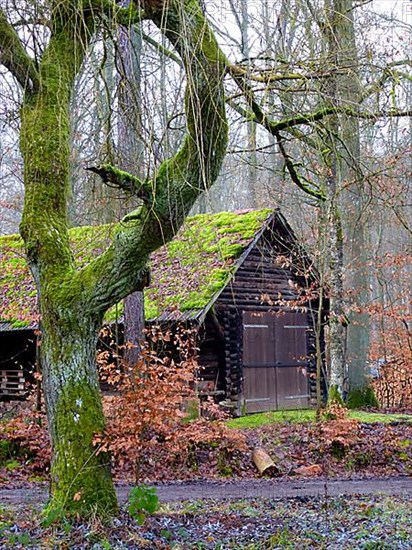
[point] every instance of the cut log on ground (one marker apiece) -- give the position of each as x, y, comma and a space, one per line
263, 462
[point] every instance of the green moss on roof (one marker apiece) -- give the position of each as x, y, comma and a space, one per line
18, 298
17, 291
185, 274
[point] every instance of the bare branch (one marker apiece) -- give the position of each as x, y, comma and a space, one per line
307, 118
334, 110
269, 75
162, 49
402, 220
261, 118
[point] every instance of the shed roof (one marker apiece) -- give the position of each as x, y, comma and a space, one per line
187, 274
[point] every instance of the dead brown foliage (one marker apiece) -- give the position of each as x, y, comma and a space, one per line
154, 422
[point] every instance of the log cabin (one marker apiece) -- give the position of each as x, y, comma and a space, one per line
241, 279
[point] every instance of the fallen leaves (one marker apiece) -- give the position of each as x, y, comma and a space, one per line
311, 470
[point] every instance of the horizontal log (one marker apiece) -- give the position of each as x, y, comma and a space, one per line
209, 356
260, 283
252, 290
259, 264
231, 295
243, 304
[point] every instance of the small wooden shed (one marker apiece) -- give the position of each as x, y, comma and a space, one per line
246, 284
250, 287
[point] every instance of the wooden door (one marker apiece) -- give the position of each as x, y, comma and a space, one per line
291, 361
274, 361
259, 375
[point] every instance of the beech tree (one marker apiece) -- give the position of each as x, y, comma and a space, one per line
73, 301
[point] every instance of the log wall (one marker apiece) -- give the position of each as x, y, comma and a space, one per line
260, 284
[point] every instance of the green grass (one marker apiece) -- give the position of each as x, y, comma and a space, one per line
263, 419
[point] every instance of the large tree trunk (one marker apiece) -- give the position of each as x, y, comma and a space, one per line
130, 152
342, 49
336, 317
251, 172
134, 324
73, 301
80, 477
357, 277
80, 474
330, 156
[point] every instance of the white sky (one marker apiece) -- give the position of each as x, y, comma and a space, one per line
401, 8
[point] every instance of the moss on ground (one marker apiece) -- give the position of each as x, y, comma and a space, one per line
263, 419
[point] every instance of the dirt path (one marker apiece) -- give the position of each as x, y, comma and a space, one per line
178, 491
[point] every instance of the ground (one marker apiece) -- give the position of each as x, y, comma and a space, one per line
305, 514
344, 483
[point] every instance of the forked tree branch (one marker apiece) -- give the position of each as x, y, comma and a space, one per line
261, 118
180, 179
115, 13
315, 116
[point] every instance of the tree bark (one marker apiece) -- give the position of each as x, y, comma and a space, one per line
330, 155
134, 324
80, 474
73, 301
130, 153
345, 91
336, 316
357, 279
80, 477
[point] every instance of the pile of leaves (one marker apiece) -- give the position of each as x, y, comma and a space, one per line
158, 429
156, 426
200, 448
24, 445
336, 447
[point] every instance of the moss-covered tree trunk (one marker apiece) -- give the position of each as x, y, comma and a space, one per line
80, 475
73, 301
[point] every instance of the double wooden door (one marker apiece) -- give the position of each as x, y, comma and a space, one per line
275, 363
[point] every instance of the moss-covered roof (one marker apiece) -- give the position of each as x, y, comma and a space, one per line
185, 274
